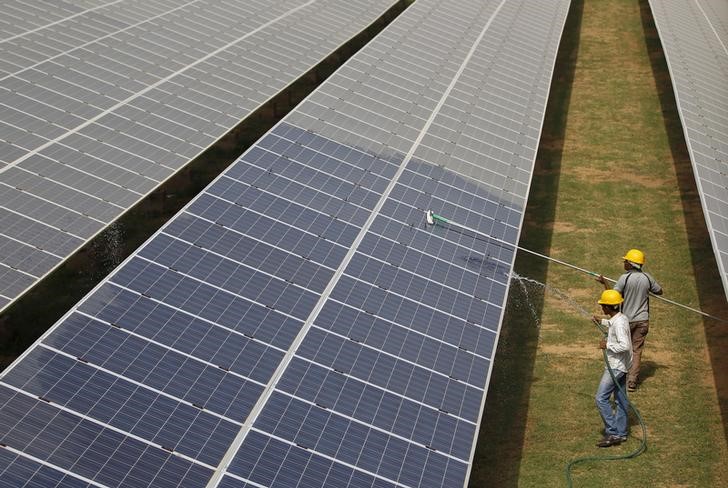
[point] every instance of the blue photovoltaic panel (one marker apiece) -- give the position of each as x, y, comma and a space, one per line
694, 36
103, 102
298, 324
25, 472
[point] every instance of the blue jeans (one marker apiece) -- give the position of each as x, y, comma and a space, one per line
615, 420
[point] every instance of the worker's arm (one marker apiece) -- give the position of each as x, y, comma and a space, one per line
603, 281
655, 287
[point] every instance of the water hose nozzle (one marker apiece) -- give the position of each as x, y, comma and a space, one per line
432, 218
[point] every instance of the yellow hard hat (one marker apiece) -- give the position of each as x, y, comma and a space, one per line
610, 297
635, 256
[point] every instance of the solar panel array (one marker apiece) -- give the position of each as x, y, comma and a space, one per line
694, 36
102, 102
298, 324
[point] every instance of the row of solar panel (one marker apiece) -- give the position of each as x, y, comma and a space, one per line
101, 108
694, 36
436, 470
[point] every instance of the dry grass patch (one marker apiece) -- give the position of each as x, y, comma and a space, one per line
585, 293
597, 175
566, 227
571, 351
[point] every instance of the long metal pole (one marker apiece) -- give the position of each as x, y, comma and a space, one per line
433, 218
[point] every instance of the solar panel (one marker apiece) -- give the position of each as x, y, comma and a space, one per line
694, 37
298, 324
102, 102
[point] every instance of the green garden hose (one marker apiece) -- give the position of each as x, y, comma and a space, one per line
640, 449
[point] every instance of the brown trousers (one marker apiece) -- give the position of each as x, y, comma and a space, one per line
639, 332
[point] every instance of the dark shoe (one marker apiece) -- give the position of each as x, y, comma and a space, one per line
611, 440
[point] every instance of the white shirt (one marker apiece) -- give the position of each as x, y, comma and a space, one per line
619, 342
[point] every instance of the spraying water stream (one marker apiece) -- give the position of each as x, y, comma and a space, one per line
525, 282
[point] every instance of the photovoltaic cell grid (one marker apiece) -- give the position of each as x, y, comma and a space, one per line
694, 36
297, 324
102, 102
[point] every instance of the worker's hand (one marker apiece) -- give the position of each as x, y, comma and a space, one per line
601, 279
603, 344
596, 320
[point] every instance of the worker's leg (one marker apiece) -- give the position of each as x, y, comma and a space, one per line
639, 332
620, 414
602, 398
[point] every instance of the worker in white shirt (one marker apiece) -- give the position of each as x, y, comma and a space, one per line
618, 347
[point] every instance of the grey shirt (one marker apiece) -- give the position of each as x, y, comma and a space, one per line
635, 286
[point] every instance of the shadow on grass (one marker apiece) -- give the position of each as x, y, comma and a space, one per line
648, 370
501, 437
709, 287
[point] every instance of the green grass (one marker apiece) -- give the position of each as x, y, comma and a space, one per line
612, 174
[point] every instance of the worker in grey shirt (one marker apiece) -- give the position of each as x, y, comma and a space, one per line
635, 285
